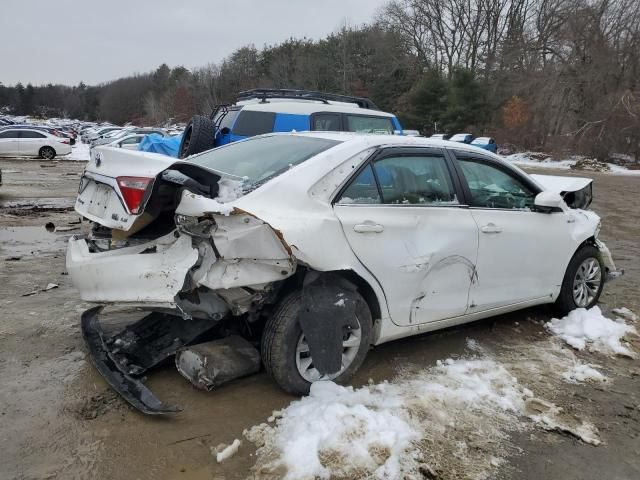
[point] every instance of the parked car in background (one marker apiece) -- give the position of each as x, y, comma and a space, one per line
440, 136
118, 134
462, 138
261, 111
128, 142
23, 142
51, 130
99, 132
488, 143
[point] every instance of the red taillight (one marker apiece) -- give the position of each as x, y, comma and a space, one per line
133, 190
64, 141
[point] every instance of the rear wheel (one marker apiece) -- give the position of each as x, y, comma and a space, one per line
199, 136
583, 281
47, 153
285, 352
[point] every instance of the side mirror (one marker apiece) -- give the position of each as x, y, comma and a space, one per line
548, 202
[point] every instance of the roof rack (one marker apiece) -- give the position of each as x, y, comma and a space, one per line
265, 93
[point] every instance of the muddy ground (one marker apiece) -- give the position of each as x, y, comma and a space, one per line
58, 418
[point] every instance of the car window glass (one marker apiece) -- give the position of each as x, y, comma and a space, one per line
131, 141
228, 119
363, 189
250, 123
493, 188
30, 134
260, 159
364, 124
418, 180
326, 122
9, 134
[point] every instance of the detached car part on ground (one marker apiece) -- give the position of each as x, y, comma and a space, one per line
304, 250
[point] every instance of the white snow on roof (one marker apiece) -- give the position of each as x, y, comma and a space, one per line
589, 328
309, 107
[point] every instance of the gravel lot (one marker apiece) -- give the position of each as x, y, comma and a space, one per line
58, 418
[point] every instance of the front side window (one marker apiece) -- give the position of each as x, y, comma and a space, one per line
259, 159
10, 134
491, 187
250, 124
416, 180
366, 124
131, 141
327, 122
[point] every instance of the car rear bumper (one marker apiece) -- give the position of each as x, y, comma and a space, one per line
151, 273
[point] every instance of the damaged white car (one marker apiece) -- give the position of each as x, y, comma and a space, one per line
301, 251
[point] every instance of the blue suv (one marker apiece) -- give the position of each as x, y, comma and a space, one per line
262, 111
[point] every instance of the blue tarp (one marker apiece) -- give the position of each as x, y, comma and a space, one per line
156, 143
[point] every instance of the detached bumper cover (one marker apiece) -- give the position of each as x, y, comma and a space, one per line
131, 389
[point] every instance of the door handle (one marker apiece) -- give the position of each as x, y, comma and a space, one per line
491, 228
368, 227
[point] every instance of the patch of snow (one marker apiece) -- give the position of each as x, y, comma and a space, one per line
223, 454
625, 313
536, 159
228, 191
582, 328
340, 303
79, 152
391, 430
583, 372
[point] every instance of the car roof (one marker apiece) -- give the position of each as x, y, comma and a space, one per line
482, 139
307, 107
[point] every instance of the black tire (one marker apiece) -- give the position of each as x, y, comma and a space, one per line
565, 301
199, 136
47, 153
280, 338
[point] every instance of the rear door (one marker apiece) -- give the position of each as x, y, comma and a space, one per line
522, 253
9, 144
403, 219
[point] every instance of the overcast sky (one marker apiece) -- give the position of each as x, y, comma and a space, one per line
66, 41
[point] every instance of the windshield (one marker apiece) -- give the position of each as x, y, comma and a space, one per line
259, 159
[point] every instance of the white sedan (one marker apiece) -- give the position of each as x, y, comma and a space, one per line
317, 246
24, 142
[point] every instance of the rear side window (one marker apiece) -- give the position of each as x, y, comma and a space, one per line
363, 189
365, 124
9, 134
250, 123
327, 122
31, 134
415, 180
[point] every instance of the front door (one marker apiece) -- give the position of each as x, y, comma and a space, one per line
522, 253
9, 144
403, 220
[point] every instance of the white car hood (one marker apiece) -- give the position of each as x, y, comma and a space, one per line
558, 184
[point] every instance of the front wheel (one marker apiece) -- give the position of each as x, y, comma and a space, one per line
47, 153
285, 352
583, 281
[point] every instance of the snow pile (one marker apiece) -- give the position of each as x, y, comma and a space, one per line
541, 160
452, 416
223, 452
583, 372
625, 313
79, 152
582, 328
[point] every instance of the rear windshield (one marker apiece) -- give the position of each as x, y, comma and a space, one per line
365, 124
260, 159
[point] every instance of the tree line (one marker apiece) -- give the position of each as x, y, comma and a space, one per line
539, 74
